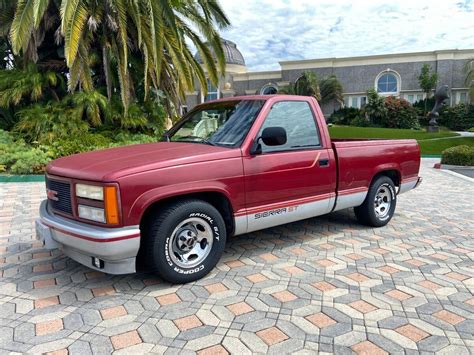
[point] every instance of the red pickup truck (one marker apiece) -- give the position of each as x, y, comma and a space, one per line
229, 167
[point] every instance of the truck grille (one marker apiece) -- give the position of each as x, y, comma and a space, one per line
62, 193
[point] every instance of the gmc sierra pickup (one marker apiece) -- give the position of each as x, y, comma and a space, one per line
228, 167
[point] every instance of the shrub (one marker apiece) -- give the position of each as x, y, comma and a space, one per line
33, 161
360, 122
345, 115
5, 137
125, 138
79, 144
458, 118
471, 129
400, 114
19, 158
460, 155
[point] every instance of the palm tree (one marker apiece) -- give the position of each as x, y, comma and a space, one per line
324, 90
121, 29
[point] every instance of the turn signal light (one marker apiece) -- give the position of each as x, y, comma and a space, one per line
111, 205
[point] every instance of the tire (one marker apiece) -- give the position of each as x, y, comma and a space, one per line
379, 205
184, 242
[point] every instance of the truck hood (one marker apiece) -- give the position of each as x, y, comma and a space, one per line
110, 164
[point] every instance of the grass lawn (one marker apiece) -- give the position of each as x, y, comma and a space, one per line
437, 146
427, 145
388, 133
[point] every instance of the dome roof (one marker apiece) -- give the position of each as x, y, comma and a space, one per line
231, 53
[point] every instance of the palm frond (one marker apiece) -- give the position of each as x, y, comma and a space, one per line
22, 25
74, 16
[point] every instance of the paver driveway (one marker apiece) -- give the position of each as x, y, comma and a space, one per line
324, 284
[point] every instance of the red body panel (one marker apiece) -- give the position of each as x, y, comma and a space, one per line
148, 173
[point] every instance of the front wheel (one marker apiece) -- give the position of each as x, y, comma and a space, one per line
379, 205
185, 241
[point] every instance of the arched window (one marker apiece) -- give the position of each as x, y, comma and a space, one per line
387, 83
268, 89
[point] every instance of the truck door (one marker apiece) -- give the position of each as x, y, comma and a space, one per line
292, 181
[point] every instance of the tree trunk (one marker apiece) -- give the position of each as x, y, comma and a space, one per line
106, 63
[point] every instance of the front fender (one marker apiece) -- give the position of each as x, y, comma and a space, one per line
152, 196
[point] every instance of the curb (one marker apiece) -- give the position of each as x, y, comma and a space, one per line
21, 178
460, 176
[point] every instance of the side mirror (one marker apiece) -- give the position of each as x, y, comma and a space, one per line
271, 136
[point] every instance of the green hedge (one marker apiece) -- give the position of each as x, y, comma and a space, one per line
457, 118
460, 155
18, 157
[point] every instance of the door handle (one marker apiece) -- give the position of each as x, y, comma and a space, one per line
323, 162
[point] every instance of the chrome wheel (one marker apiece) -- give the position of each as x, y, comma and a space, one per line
383, 201
191, 242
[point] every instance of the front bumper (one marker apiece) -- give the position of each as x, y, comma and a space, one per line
117, 248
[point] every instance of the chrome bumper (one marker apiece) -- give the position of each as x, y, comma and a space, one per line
116, 248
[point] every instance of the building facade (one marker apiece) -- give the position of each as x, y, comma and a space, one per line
391, 75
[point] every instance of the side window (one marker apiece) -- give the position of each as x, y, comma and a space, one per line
297, 119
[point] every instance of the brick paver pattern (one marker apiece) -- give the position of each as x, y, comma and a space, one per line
325, 284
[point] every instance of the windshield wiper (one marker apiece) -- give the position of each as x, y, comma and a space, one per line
196, 139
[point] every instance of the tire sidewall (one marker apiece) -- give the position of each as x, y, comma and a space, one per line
373, 191
177, 273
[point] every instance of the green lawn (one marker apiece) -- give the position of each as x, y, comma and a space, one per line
437, 146
388, 133
428, 146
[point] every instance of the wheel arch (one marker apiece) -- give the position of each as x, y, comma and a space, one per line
392, 173
215, 198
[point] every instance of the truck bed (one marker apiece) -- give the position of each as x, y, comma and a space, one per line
361, 159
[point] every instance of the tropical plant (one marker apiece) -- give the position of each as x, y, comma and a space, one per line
469, 81
46, 123
28, 84
102, 37
400, 114
324, 90
345, 115
375, 109
427, 81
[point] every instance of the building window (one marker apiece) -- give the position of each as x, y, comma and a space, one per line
412, 98
461, 97
212, 91
355, 101
387, 83
268, 89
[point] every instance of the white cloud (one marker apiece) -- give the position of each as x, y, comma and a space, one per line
268, 31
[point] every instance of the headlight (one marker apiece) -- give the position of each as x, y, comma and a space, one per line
90, 191
91, 213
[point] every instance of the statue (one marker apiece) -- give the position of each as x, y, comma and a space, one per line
440, 96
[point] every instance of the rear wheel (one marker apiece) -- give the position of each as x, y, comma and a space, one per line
184, 242
379, 205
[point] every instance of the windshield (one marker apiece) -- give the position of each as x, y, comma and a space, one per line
223, 123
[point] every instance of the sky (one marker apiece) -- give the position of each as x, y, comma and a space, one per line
269, 31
